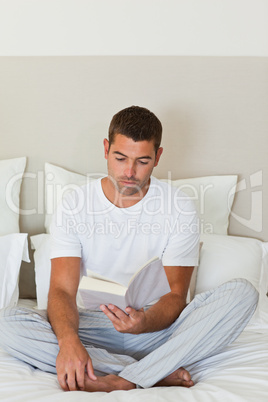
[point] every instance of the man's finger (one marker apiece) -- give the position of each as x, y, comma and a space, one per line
80, 376
132, 312
71, 381
117, 312
108, 313
90, 370
113, 313
62, 382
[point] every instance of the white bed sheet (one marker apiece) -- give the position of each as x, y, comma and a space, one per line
239, 373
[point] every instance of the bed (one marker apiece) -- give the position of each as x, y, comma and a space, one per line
239, 373
233, 244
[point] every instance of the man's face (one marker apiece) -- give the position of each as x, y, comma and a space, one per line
130, 164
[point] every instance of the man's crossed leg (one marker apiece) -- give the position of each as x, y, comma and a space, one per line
210, 322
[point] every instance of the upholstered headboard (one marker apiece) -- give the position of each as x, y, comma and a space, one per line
213, 110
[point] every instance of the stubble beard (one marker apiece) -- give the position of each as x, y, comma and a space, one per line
126, 191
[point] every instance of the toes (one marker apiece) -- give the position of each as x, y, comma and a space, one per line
187, 384
184, 374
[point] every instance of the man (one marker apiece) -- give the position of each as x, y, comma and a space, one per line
134, 217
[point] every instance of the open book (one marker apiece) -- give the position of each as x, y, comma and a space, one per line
146, 285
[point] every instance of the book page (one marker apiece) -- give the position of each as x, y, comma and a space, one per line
148, 285
88, 283
92, 300
141, 268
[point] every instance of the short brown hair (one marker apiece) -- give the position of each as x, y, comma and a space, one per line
137, 123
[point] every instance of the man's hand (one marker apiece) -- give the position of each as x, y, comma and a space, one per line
132, 321
161, 314
71, 364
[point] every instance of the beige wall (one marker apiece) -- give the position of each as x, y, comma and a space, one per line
120, 27
213, 110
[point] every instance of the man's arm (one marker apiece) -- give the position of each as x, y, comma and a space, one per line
162, 314
73, 358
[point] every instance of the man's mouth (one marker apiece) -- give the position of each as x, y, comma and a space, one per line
129, 183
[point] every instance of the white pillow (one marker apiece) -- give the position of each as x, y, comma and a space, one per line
224, 258
11, 172
57, 182
13, 250
213, 197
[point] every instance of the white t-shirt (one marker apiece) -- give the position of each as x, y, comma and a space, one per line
115, 242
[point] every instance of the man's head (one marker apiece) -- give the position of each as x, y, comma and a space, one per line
132, 152
137, 123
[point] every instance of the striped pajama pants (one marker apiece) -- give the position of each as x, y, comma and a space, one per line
210, 322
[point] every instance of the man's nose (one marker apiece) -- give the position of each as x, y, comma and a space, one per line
130, 170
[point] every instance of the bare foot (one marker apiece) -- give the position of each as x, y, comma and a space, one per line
179, 378
108, 383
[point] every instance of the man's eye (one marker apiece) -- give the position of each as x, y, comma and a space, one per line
144, 162
120, 159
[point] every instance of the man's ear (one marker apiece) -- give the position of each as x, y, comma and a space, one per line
158, 154
106, 147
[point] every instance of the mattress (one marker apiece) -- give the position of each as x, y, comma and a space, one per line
238, 373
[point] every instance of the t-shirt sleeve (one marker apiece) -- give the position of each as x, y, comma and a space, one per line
182, 248
64, 242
